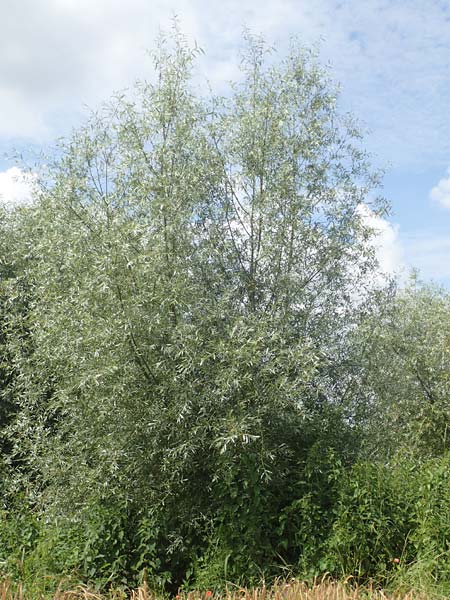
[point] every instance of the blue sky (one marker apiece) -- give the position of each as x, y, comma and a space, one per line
392, 59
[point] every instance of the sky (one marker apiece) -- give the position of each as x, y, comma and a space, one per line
391, 58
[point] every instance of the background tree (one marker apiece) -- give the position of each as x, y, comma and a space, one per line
406, 370
14, 298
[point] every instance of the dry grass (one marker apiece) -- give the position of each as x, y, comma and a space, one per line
294, 590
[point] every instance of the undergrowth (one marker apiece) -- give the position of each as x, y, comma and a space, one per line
292, 590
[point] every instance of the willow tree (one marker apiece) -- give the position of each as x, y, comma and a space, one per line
194, 262
404, 362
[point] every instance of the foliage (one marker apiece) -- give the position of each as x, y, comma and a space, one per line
195, 351
405, 364
375, 515
432, 535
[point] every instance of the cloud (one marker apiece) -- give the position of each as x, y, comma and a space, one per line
440, 193
385, 242
15, 187
399, 253
392, 57
60, 55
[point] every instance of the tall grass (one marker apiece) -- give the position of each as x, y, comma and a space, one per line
294, 590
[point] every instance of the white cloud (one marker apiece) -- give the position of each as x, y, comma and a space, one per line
441, 192
15, 187
392, 58
399, 253
60, 55
386, 243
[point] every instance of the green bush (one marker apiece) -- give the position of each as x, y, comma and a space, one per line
19, 531
431, 535
305, 523
374, 520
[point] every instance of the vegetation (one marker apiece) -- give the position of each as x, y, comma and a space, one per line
203, 376
292, 590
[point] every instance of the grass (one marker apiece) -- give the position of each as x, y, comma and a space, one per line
293, 590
